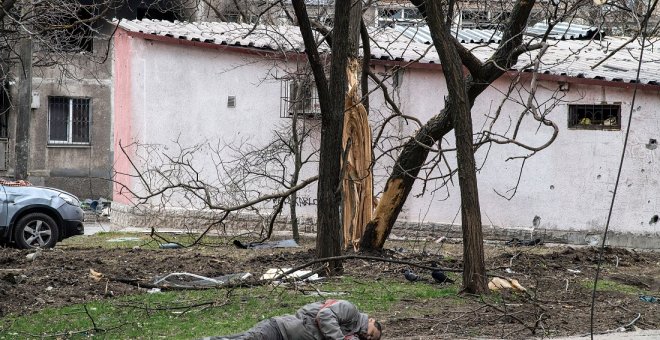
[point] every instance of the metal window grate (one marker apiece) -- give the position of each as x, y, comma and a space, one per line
69, 120
595, 117
300, 97
231, 101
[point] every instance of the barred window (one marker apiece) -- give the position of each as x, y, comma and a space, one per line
595, 117
68, 120
299, 97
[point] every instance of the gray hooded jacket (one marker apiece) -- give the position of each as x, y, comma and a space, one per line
330, 319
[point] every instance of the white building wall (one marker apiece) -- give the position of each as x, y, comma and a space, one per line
180, 93
568, 185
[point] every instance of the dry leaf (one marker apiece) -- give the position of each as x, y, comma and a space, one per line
96, 276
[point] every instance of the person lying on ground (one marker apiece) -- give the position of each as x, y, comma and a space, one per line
330, 319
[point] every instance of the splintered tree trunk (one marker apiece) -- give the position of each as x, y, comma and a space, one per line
400, 183
357, 182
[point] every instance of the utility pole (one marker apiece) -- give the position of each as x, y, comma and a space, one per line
22, 148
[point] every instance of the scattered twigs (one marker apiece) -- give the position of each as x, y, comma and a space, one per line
96, 328
363, 257
185, 308
512, 316
460, 316
623, 328
148, 285
154, 235
68, 334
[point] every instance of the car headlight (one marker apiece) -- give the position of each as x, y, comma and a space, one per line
70, 199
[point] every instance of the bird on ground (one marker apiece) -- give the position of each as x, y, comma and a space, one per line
410, 276
240, 245
440, 277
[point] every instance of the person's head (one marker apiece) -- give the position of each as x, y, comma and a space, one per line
374, 330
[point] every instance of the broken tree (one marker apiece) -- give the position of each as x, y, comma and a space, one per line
463, 90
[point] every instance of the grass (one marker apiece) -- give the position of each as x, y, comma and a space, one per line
110, 240
613, 286
220, 311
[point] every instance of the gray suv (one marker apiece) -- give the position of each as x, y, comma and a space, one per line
38, 217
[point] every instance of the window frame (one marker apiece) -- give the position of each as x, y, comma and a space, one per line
69, 125
573, 123
308, 106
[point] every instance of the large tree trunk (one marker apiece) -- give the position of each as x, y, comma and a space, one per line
328, 239
22, 148
474, 269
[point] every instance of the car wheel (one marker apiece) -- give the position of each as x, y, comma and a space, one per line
36, 230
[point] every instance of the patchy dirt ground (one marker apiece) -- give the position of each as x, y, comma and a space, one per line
557, 279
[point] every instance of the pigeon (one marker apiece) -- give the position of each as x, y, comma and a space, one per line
410, 276
440, 277
240, 245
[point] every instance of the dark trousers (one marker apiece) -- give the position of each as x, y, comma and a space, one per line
264, 330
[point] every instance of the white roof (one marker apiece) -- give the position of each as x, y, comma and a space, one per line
573, 58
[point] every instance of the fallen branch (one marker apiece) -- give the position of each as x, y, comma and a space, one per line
148, 285
186, 308
363, 257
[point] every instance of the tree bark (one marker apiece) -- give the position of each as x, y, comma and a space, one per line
22, 148
328, 239
297, 165
7, 5
474, 269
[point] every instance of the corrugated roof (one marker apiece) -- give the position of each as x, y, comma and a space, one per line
573, 58
278, 38
564, 30
422, 35
561, 31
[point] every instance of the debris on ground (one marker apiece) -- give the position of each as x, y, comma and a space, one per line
514, 242
306, 275
33, 256
170, 246
499, 283
649, 298
265, 245
99, 206
192, 281
564, 311
124, 239
96, 276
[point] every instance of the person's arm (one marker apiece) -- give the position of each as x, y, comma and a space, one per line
331, 317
